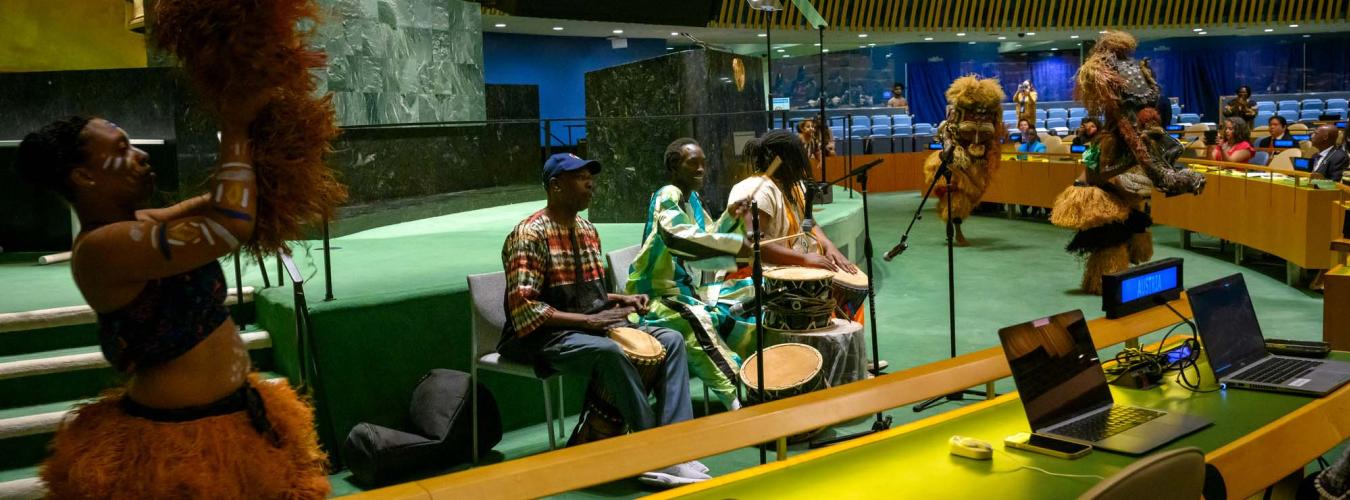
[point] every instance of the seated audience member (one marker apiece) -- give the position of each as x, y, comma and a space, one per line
1233, 143
1241, 106
558, 310
1087, 131
1031, 139
1279, 130
1330, 161
679, 243
897, 99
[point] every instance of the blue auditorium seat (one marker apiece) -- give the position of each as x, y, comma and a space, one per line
1337, 103
902, 143
1010, 124
1176, 109
1040, 124
881, 120
857, 144
881, 130
1040, 114
1263, 117
904, 130
836, 131
1339, 112
1290, 105
839, 144
1189, 118
1075, 122
1056, 123
860, 120
1289, 115
1265, 106
1313, 104
1077, 113
860, 131
1309, 115
1260, 158
880, 143
923, 129
1060, 113
1009, 115
902, 120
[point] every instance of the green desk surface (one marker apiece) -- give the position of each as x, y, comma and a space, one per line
914, 460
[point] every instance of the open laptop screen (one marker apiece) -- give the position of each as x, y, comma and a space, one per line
1055, 367
1228, 329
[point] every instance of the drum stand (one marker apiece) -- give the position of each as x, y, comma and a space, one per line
944, 172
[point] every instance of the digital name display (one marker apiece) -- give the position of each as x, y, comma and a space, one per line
1301, 137
1175, 127
1016, 136
1340, 124
1175, 136
1077, 148
1148, 284
1284, 143
1302, 164
1141, 287
935, 146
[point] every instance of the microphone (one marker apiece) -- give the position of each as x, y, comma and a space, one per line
899, 249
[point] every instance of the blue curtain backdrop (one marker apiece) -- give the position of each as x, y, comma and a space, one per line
1197, 70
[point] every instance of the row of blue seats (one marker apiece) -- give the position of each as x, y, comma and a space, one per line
1296, 105
1046, 114
881, 144
1307, 115
865, 131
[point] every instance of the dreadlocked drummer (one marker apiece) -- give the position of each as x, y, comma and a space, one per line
192, 421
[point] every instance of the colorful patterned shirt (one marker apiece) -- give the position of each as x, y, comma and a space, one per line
677, 243
550, 267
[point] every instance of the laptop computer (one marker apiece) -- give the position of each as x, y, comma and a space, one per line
1232, 340
1064, 391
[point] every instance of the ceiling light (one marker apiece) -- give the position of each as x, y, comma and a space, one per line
871, 45
1203, 33
825, 50
1031, 33
1102, 32
1293, 26
1268, 30
971, 43
557, 28
928, 39
861, 46
1003, 38
960, 34
1307, 36
674, 33
782, 50
762, 35
500, 25
1074, 37
617, 32
785, 55
1197, 30
862, 35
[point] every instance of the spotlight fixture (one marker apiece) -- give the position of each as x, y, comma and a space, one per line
862, 35
1203, 33
1268, 30
557, 28
1307, 36
1293, 26
670, 48
1102, 32
961, 34
781, 50
499, 25
815, 45
861, 46
825, 50
617, 32
928, 39
1073, 37
785, 55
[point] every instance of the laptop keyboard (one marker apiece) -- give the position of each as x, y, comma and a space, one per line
1108, 423
1278, 371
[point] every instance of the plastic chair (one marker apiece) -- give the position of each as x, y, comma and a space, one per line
1260, 158
862, 121
1082, 112
1265, 106
836, 131
1169, 475
1060, 113
1263, 116
1313, 104
1290, 105
1289, 115
1338, 103
902, 120
860, 131
1284, 160
1056, 123
1040, 124
1189, 118
1075, 122
1339, 113
1309, 115
489, 315
881, 130
1041, 114
881, 120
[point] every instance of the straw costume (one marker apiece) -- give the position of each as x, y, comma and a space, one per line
971, 133
1129, 158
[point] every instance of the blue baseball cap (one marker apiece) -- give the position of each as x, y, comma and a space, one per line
567, 162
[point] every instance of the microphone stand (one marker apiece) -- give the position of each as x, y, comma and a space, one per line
757, 269
944, 172
882, 422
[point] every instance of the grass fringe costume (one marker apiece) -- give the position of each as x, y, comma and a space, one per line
972, 129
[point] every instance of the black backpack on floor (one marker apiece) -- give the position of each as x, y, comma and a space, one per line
440, 433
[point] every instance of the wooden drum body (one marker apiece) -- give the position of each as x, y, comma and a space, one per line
850, 293
789, 370
798, 298
600, 419
842, 347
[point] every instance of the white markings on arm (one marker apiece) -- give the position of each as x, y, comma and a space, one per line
223, 233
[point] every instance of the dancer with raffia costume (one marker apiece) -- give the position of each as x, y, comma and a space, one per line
971, 132
1125, 162
192, 420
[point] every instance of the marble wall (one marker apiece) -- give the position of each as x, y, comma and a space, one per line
403, 61
627, 107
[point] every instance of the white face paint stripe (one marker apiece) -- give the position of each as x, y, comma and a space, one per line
154, 236
206, 234
107, 162
243, 202
220, 191
237, 164
117, 163
224, 234
235, 175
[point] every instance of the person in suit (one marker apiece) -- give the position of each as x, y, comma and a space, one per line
1279, 129
1330, 161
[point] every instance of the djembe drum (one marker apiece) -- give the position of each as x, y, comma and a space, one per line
789, 370
798, 298
841, 346
600, 419
850, 293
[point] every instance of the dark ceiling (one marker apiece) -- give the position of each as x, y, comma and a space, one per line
668, 12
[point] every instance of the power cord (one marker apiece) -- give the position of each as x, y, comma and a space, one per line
1022, 465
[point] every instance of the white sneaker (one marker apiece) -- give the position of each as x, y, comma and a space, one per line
734, 405
697, 465
675, 475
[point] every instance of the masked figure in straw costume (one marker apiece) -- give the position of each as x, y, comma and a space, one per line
1126, 161
970, 134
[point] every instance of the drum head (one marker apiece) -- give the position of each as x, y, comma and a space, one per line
855, 280
637, 343
798, 274
785, 366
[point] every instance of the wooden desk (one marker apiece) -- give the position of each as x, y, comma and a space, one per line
1296, 223
1035, 181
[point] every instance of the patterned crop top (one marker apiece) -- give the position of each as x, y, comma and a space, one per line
169, 317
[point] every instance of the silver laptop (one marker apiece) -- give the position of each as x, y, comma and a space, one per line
1237, 351
1064, 391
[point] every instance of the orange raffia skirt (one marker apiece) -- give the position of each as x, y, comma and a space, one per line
103, 452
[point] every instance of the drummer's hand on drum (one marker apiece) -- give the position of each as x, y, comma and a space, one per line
840, 261
609, 318
637, 302
739, 208
820, 261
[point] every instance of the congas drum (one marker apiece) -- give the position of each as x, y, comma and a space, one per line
789, 370
842, 347
850, 293
798, 298
600, 419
